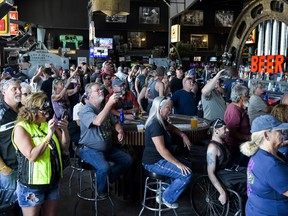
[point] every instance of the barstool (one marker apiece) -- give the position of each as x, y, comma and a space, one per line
92, 188
155, 185
75, 164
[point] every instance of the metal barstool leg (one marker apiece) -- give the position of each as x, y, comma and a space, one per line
109, 197
70, 180
95, 194
155, 186
144, 197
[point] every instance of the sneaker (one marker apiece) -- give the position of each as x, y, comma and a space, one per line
158, 199
169, 205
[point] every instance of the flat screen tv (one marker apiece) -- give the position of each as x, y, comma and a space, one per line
197, 58
213, 59
100, 52
103, 42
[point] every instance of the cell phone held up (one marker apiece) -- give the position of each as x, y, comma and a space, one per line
64, 115
118, 95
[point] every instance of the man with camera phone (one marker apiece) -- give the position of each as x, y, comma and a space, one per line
214, 105
126, 100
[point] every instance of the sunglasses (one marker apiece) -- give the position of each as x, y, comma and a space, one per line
218, 123
107, 78
45, 112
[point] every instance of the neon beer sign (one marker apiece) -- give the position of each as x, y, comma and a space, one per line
269, 63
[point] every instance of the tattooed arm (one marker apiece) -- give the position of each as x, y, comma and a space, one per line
212, 153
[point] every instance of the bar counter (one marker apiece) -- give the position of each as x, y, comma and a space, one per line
135, 138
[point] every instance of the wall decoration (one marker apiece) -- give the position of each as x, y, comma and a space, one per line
224, 18
199, 40
137, 39
251, 38
175, 33
149, 15
116, 19
193, 18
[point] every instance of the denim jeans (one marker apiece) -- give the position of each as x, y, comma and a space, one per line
100, 161
8, 181
179, 181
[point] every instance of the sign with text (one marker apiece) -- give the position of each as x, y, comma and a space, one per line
175, 33
269, 63
4, 26
13, 27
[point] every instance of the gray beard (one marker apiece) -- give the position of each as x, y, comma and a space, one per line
99, 100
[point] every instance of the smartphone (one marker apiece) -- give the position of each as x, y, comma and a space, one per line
73, 80
64, 115
119, 94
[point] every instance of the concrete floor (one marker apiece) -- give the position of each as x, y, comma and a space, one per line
127, 207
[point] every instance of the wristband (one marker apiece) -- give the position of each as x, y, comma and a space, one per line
2, 168
46, 142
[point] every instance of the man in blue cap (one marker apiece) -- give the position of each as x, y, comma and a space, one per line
126, 100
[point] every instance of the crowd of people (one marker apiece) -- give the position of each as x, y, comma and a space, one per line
39, 119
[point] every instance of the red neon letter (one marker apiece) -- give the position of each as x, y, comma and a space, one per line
279, 60
270, 64
254, 64
262, 63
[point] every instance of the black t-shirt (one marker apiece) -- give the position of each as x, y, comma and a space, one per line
150, 154
175, 85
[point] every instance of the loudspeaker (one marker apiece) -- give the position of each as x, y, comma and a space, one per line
5, 7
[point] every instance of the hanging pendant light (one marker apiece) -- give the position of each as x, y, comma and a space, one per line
112, 7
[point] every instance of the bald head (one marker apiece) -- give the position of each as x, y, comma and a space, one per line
285, 99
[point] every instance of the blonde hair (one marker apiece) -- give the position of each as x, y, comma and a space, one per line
280, 111
249, 148
35, 102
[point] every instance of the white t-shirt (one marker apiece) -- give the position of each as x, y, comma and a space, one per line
76, 110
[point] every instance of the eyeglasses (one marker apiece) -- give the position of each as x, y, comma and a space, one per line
108, 78
98, 90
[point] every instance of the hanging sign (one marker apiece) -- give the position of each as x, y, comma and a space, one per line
269, 63
4, 26
13, 27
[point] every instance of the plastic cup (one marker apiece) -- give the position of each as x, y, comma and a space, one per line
140, 128
194, 122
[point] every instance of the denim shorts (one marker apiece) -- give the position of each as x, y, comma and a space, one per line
28, 197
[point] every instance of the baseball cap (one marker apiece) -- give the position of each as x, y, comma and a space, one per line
267, 122
117, 82
192, 72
